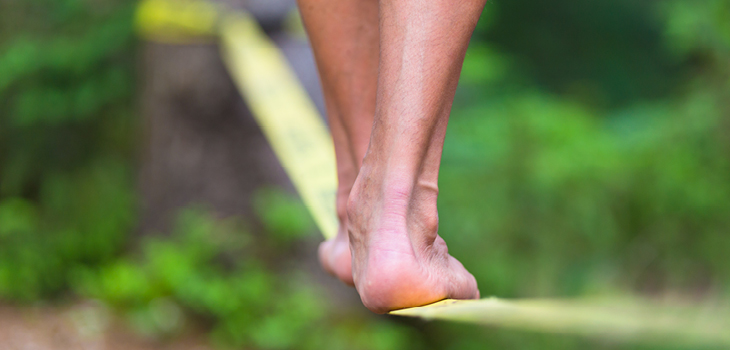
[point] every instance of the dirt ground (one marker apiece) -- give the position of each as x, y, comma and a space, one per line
84, 326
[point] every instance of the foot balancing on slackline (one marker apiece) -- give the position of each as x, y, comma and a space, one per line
389, 71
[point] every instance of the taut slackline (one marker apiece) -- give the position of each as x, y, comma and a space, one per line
301, 141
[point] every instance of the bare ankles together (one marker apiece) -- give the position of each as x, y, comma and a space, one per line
398, 259
389, 83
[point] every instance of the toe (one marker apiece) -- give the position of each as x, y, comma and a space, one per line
342, 263
463, 284
334, 256
325, 249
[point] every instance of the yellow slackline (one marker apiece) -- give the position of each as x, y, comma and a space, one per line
175, 22
302, 143
280, 105
630, 320
286, 115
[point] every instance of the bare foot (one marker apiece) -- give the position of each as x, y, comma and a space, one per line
389, 71
399, 260
334, 254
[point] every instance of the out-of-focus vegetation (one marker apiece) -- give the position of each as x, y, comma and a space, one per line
66, 121
567, 197
588, 153
216, 272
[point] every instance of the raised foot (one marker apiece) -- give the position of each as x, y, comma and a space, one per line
398, 259
335, 258
391, 279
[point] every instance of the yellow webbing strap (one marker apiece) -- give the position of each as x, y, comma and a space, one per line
175, 22
286, 115
624, 320
280, 105
302, 143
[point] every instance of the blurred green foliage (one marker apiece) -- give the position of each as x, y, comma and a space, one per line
214, 270
587, 154
66, 194
564, 198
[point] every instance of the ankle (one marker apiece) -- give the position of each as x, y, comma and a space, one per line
376, 182
341, 199
403, 201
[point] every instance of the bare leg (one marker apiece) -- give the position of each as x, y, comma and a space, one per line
398, 258
344, 36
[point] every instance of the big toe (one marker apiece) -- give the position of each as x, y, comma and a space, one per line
463, 284
324, 253
335, 258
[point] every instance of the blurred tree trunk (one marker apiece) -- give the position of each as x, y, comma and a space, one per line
202, 144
